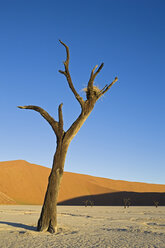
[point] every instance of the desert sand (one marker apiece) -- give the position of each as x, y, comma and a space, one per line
86, 227
25, 183
78, 226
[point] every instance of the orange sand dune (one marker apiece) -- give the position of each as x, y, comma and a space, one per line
4, 199
25, 183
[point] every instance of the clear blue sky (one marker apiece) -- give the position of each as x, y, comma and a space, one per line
124, 137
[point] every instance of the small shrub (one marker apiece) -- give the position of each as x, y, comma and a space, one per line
127, 202
156, 203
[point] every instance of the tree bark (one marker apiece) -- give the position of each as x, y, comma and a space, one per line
48, 217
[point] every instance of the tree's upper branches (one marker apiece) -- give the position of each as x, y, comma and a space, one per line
68, 77
86, 106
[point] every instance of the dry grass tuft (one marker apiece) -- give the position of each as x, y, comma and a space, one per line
96, 90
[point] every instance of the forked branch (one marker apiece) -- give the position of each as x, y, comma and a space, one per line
68, 77
46, 116
93, 75
98, 70
107, 87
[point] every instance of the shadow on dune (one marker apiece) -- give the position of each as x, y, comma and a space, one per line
19, 225
116, 199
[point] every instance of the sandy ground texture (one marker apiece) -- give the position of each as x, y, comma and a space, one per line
80, 226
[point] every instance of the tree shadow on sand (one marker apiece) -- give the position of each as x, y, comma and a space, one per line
19, 225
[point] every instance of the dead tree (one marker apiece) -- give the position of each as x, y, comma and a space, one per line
48, 217
156, 203
127, 202
91, 203
86, 203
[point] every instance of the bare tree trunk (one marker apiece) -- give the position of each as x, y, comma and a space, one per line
48, 217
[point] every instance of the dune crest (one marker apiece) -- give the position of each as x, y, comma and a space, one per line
25, 183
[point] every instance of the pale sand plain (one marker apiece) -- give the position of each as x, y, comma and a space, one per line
86, 227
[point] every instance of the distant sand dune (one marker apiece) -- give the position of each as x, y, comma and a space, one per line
25, 183
4, 199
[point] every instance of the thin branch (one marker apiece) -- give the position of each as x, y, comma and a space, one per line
62, 72
45, 115
91, 80
98, 70
60, 116
106, 88
67, 52
93, 75
103, 88
68, 77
